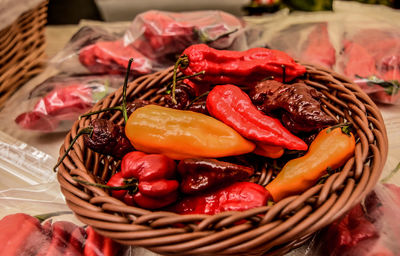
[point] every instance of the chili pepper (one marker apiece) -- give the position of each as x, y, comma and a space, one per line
330, 149
93, 244
201, 174
76, 242
348, 232
110, 247
231, 105
61, 231
297, 103
240, 68
319, 49
16, 230
36, 121
144, 180
268, 150
181, 134
183, 95
360, 62
239, 196
110, 57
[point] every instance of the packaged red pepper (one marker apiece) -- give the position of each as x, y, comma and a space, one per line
53, 105
371, 56
162, 35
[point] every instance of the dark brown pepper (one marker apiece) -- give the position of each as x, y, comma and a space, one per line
108, 138
201, 175
183, 95
138, 103
297, 104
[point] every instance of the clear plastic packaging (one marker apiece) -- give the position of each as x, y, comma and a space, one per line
161, 35
56, 103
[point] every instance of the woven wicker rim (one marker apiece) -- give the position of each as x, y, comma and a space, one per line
22, 50
270, 230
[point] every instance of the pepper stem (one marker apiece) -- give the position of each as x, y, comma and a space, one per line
121, 108
43, 217
130, 184
206, 40
283, 73
346, 128
182, 61
197, 99
124, 111
87, 130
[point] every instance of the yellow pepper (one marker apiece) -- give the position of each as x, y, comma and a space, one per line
181, 134
330, 149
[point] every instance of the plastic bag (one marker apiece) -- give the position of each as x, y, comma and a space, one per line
313, 44
53, 105
371, 56
161, 36
96, 50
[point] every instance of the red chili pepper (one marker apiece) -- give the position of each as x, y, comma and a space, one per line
239, 196
61, 231
19, 232
240, 68
76, 242
93, 244
232, 106
112, 57
200, 174
152, 179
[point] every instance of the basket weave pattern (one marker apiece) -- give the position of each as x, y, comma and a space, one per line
268, 230
22, 50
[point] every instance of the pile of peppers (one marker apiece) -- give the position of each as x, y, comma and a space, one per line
201, 159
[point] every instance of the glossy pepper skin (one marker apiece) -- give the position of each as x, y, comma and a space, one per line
202, 174
330, 149
181, 134
232, 106
98, 245
154, 176
108, 138
239, 196
240, 68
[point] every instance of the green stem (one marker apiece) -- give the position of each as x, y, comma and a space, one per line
205, 39
124, 112
101, 111
197, 98
43, 217
182, 61
185, 77
87, 130
131, 185
346, 128
391, 174
283, 73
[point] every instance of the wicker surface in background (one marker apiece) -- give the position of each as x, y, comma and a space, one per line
270, 230
22, 50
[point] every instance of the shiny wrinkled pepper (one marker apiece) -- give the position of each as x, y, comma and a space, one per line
152, 177
240, 68
232, 106
239, 196
202, 174
331, 149
181, 134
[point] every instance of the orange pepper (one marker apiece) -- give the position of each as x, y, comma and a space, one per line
330, 149
269, 151
181, 134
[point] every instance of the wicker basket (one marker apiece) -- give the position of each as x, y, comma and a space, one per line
270, 230
22, 50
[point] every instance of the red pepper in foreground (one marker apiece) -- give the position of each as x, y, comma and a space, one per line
202, 174
239, 196
232, 106
154, 177
240, 68
20, 232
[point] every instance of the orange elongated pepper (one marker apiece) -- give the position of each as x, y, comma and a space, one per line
330, 149
181, 134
